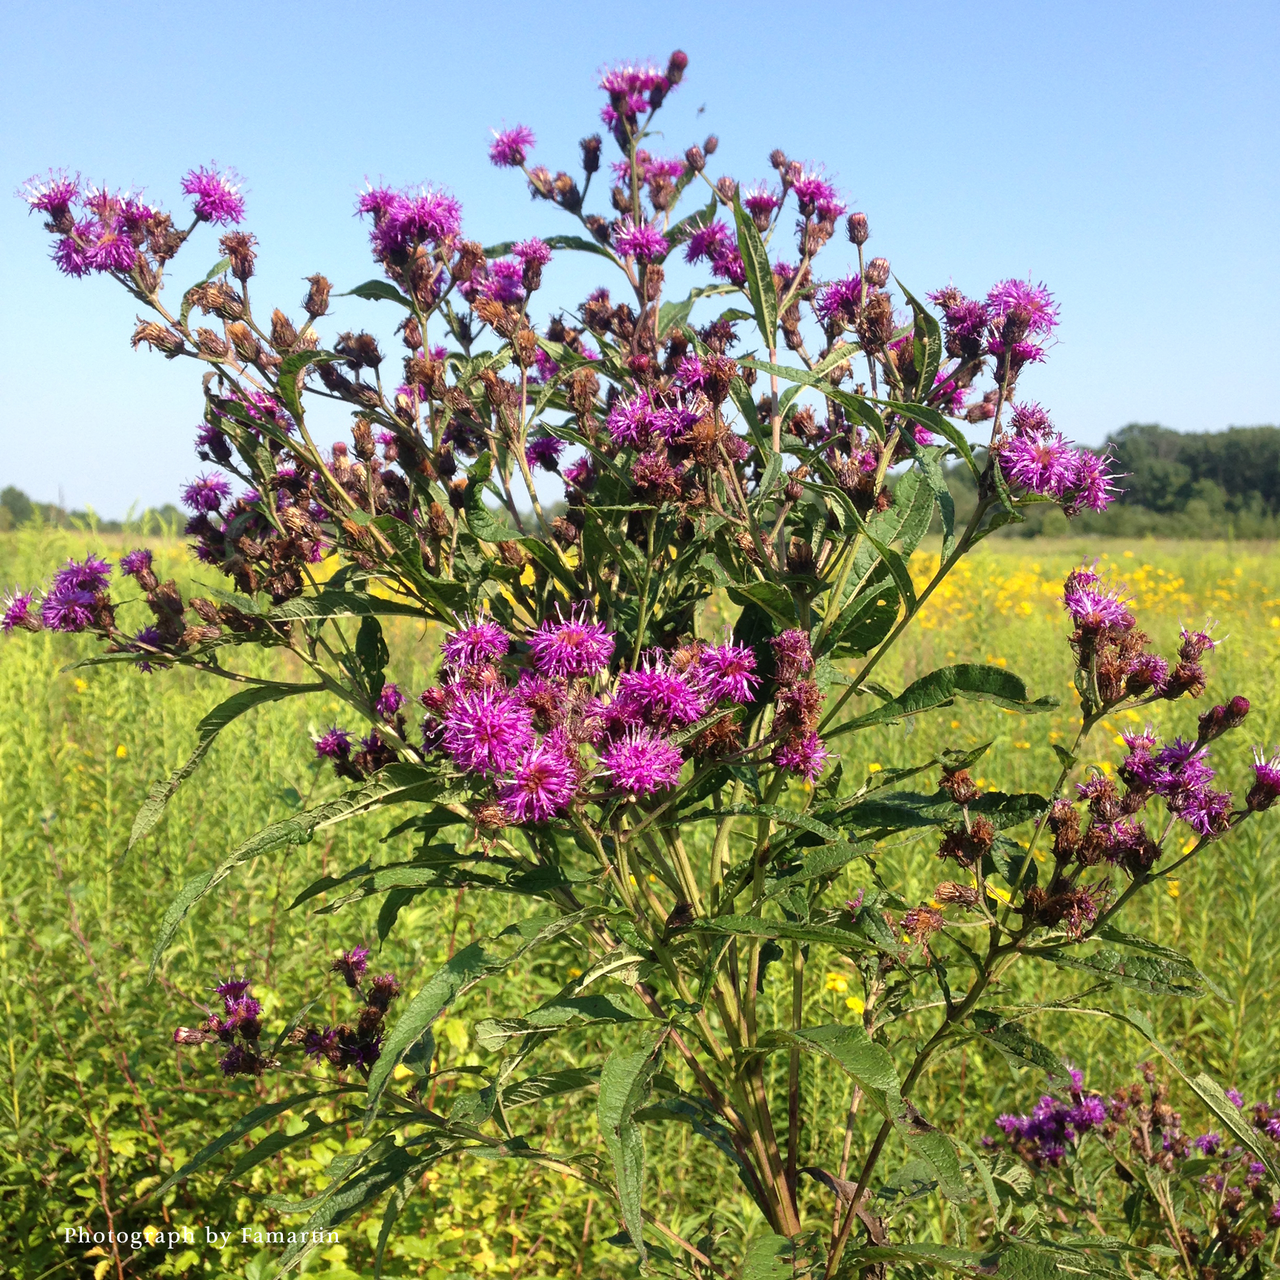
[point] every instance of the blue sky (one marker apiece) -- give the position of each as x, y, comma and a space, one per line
1125, 153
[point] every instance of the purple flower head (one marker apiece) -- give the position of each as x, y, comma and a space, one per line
760, 201
1196, 643
1093, 484
243, 1017
639, 240
334, 744
402, 219
708, 240
1266, 772
1206, 811
1035, 302
803, 754
239, 1061
965, 317
1030, 419
793, 654
320, 1044
503, 282
725, 671
390, 700
487, 731
1045, 465
571, 646
231, 989
1236, 1097
1149, 670
1140, 743
541, 785
17, 611
630, 81
1094, 604
206, 493
54, 194
838, 300
146, 640
630, 421
352, 965
509, 148
654, 694
474, 644
817, 195
545, 451
217, 195
581, 475
91, 575
111, 248
533, 250
135, 562
67, 609
69, 254
1089, 1113
642, 762
1209, 1143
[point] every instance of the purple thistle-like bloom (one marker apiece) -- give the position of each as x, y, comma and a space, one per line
804, 754
1094, 605
70, 255
817, 195
1030, 419
541, 785
725, 671
319, 1044
53, 194
639, 240
642, 762
487, 731
630, 420
581, 475
217, 195
146, 639
231, 989
135, 562
838, 299
1150, 669
1045, 465
67, 609
206, 493
91, 574
571, 646
706, 241
1034, 300
390, 700
793, 654
1206, 811
238, 1061
504, 282
1209, 1143
352, 965
474, 644
656, 695
1195, 643
545, 451
760, 201
334, 744
1093, 484
509, 148
111, 248
533, 250
17, 611
1235, 1097
1266, 772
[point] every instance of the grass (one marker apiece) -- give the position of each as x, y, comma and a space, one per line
97, 1107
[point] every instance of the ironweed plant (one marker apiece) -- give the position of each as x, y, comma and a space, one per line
667, 798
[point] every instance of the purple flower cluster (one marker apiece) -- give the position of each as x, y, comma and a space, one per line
796, 706
403, 220
1038, 460
719, 246
510, 148
1042, 1138
640, 240
215, 195
238, 1026
76, 596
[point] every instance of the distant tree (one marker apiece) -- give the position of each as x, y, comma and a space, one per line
19, 507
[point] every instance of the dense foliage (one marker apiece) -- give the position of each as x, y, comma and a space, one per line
665, 795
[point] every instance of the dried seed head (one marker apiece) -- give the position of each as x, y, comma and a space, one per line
316, 303
859, 229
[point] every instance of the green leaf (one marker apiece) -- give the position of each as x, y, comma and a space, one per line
1018, 1048
207, 730
343, 604
625, 1083
866, 620
581, 245
761, 288
468, 967
281, 1140
758, 927
188, 301
245, 1125
859, 408
289, 377
927, 344
375, 290
975, 681
936, 422
1142, 973
869, 1065
774, 599
551, 1085
561, 1012
769, 1257
923, 1255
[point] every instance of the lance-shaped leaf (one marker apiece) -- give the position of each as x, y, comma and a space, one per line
869, 1065
557, 1014
471, 965
289, 379
926, 344
975, 681
798, 931
1155, 975
1018, 1048
934, 421
378, 290
625, 1083
208, 729
761, 288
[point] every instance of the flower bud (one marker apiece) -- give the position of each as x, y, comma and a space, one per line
778, 159
316, 303
696, 159
283, 334
859, 230
710, 143
877, 272
676, 66
591, 153
726, 188
620, 198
